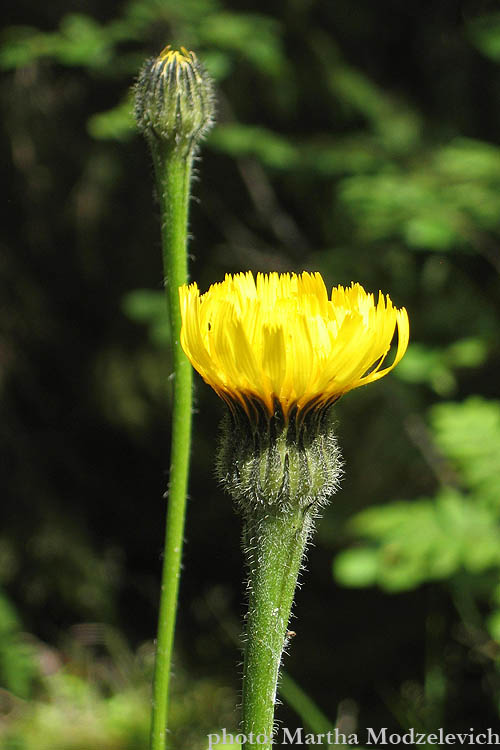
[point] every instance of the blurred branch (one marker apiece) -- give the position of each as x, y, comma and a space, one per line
264, 198
266, 203
421, 436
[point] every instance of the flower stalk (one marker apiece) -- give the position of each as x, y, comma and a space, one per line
174, 108
280, 470
173, 181
274, 545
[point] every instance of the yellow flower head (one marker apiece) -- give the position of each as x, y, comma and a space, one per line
280, 338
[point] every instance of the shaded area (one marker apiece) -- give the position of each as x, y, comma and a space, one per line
360, 141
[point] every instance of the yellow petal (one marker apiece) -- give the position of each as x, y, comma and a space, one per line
281, 338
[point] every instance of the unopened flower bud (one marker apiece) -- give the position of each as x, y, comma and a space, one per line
174, 99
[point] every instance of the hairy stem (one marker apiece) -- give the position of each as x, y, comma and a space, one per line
173, 171
274, 543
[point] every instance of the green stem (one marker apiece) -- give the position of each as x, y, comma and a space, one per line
274, 542
173, 171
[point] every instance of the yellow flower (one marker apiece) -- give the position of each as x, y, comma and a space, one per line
280, 338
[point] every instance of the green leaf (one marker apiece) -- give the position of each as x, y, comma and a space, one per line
114, 124
432, 231
149, 307
470, 352
435, 366
254, 36
484, 32
493, 625
243, 140
356, 567
81, 41
465, 158
407, 543
17, 658
468, 434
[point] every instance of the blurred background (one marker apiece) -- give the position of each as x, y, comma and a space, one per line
358, 139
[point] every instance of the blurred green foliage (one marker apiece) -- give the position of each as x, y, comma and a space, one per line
17, 664
119, 722
361, 141
100, 698
436, 367
457, 530
148, 307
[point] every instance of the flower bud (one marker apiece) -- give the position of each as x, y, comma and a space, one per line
285, 463
174, 99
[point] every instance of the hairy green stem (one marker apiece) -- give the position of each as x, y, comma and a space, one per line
274, 543
173, 172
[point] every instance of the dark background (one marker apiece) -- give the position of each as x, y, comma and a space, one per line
357, 139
